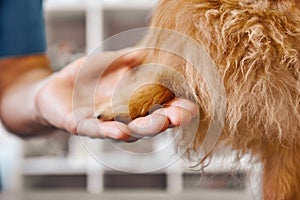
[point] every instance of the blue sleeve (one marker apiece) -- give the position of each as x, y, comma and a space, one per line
22, 30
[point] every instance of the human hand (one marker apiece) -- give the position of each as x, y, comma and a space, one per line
67, 99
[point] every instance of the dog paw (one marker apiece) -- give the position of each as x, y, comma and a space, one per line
106, 113
142, 102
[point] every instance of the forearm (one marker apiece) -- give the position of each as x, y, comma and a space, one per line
21, 79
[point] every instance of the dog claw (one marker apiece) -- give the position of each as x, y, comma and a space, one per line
124, 118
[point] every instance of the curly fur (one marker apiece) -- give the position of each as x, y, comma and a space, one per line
255, 45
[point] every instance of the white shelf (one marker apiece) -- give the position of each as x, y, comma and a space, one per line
67, 165
53, 166
80, 5
94, 10
64, 5
128, 5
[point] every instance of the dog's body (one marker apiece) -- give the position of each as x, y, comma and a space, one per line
255, 45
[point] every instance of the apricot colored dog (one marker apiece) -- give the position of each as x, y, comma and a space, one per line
255, 46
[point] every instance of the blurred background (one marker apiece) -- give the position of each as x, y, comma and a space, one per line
59, 166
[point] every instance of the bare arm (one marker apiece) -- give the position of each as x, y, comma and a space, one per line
19, 79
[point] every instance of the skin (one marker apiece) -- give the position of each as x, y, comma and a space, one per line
36, 101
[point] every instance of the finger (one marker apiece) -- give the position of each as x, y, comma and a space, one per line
187, 105
132, 56
96, 129
97, 63
177, 116
149, 125
128, 58
94, 65
115, 130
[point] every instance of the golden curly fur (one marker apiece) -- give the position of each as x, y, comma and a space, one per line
255, 45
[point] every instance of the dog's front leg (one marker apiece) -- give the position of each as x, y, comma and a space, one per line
281, 175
